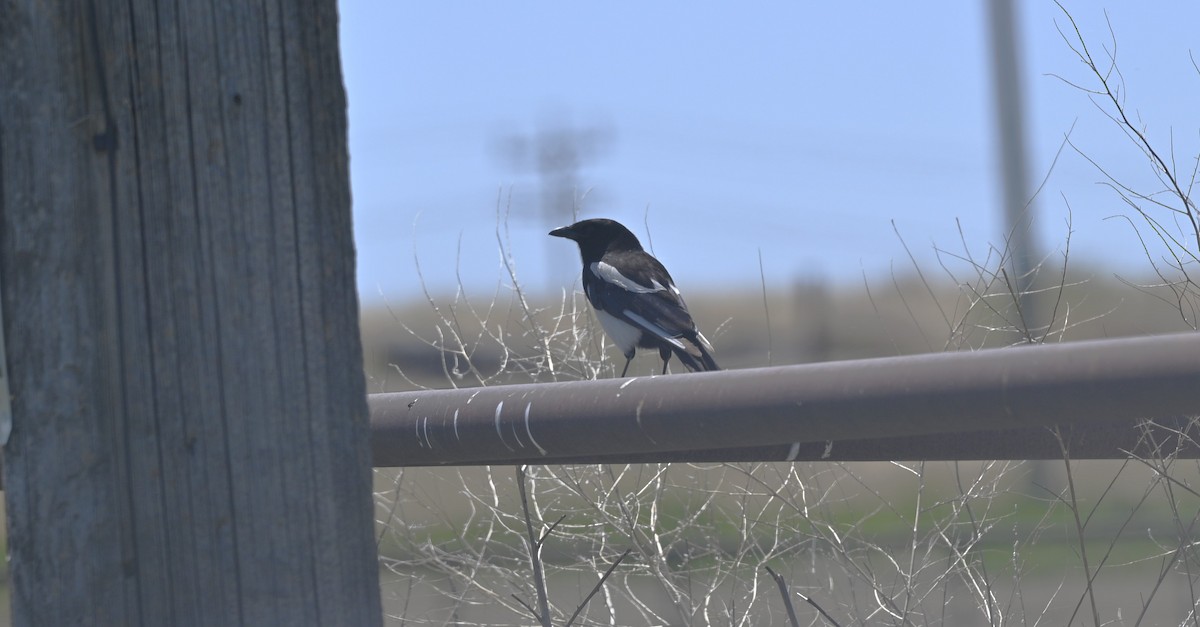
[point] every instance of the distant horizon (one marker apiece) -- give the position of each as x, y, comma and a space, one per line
906, 276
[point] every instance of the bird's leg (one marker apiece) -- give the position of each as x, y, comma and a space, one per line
628, 359
665, 354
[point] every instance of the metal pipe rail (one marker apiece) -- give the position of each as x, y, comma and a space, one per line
1001, 403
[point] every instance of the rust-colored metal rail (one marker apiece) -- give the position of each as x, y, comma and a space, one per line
978, 405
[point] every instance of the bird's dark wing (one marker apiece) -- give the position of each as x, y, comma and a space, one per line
634, 287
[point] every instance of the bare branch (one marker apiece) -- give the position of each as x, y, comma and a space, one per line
597, 587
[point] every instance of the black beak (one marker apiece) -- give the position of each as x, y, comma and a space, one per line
563, 231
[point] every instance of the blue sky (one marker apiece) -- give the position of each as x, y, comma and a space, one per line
799, 129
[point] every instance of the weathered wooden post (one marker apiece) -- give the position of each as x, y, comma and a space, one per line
190, 438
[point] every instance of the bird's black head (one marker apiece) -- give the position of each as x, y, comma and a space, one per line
597, 236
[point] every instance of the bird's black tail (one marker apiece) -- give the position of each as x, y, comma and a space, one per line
697, 354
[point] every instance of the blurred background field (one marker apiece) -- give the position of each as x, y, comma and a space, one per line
810, 322
835, 531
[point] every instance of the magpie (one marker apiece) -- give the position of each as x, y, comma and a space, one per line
634, 297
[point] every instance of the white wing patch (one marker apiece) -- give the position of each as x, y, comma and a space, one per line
655, 329
609, 274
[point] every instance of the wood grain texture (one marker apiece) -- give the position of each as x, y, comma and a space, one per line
190, 442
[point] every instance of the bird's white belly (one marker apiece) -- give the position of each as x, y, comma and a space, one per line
623, 334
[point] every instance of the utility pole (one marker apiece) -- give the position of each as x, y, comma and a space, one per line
556, 153
190, 443
1014, 161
